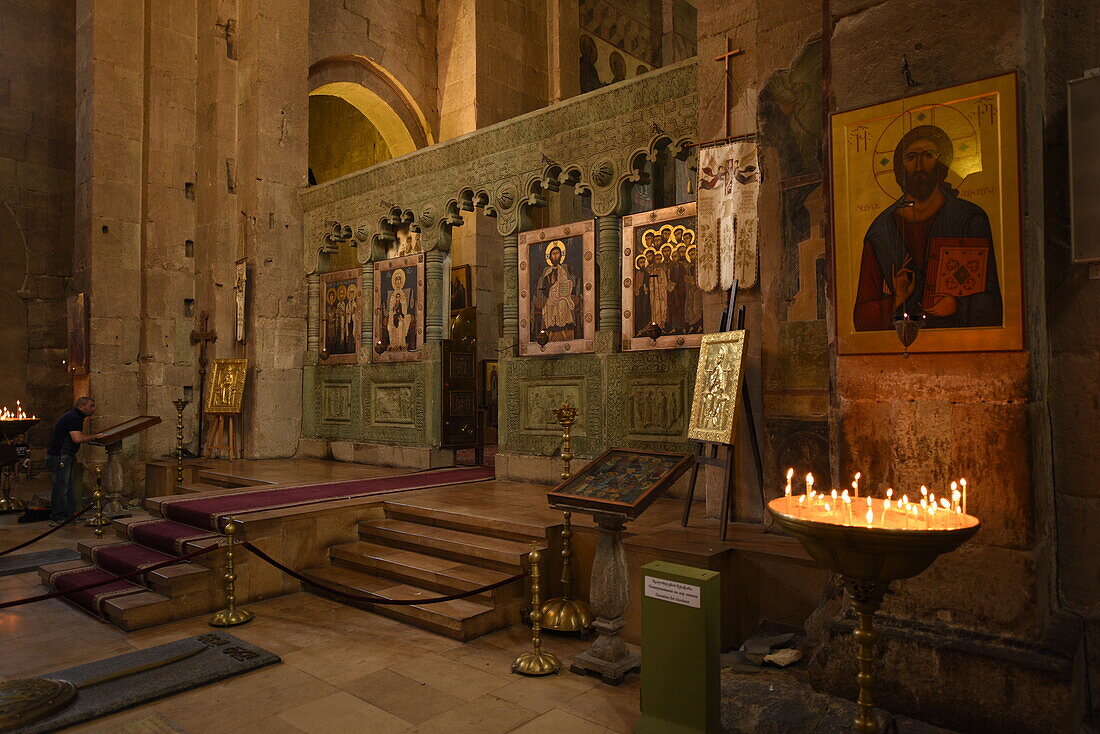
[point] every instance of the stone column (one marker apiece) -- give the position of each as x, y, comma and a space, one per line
366, 288
608, 255
511, 287
609, 593
433, 319
313, 323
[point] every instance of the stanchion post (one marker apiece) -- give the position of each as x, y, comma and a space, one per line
231, 616
537, 662
98, 523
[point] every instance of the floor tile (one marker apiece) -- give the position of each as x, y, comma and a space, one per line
485, 715
451, 677
341, 713
409, 699
542, 693
560, 722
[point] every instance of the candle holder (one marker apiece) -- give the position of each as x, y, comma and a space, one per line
868, 559
564, 613
98, 521
12, 425
538, 661
181, 404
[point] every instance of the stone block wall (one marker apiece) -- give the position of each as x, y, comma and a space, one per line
37, 140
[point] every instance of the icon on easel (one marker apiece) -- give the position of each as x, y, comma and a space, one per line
224, 398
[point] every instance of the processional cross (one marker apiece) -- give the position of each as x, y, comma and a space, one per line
728, 88
202, 336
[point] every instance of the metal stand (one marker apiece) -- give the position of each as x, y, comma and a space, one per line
98, 522
538, 661
231, 616
181, 404
609, 657
565, 614
706, 453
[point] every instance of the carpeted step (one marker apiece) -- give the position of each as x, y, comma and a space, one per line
443, 575
90, 600
169, 537
120, 558
461, 619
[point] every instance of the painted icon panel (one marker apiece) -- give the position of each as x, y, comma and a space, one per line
557, 289
662, 304
399, 309
718, 379
341, 317
927, 221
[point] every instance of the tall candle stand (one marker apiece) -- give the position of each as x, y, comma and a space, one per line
868, 559
181, 404
564, 613
98, 521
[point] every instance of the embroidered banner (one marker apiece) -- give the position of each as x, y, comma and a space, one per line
729, 183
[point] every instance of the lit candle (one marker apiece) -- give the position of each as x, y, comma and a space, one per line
847, 508
870, 517
954, 493
855, 484
963, 483
801, 499
787, 490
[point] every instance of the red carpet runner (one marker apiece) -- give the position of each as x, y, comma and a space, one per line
197, 518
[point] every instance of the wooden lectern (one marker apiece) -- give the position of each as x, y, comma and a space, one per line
112, 441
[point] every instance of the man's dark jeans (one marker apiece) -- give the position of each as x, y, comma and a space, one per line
62, 502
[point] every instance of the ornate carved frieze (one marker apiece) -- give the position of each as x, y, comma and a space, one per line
595, 141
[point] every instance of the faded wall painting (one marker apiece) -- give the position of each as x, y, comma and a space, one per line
662, 304
399, 309
557, 289
342, 317
928, 222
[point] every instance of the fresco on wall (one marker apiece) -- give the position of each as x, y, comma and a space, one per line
399, 309
927, 220
795, 354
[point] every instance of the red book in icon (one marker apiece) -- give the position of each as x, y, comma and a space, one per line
957, 266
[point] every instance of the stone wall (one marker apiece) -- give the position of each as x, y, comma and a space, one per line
37, 138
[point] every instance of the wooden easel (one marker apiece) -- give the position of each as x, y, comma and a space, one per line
223, 435
706, 453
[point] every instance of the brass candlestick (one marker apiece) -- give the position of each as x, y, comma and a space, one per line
231, 616
98, 523
565, 614
537, 662
868, 559
181, 404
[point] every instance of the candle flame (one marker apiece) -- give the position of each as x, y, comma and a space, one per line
809, 480
954, 486
945, 504
7, 414
870, 518
790, 473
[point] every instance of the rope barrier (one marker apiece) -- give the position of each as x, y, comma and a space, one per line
113, 579
54, 529
375, 598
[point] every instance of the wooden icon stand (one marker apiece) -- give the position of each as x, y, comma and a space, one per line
707, 453
223, 435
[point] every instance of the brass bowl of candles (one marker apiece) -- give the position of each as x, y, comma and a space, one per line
875, 538
870, 542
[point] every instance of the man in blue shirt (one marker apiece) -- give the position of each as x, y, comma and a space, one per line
68, 434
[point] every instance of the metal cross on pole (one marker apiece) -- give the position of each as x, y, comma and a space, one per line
202, 336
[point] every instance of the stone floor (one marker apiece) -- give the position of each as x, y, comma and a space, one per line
343, 670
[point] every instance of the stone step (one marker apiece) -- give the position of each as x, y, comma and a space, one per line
176, 580
481, 550
410, 511
197, 486
461, 619
446, 576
